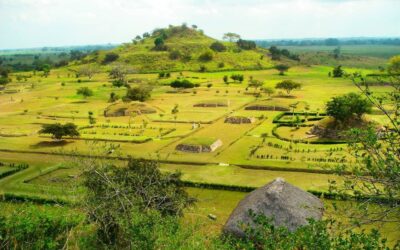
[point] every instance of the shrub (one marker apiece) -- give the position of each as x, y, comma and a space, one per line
185, 84
245, 44
31, 227
175, 54
110, 57
206, 56
218, 47
138, 93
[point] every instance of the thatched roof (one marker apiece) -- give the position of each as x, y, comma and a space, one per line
286, 204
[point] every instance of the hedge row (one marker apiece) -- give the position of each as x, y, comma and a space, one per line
16, 169
329, 142
28, 198
277, 119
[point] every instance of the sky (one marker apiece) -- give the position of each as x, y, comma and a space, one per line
38, 23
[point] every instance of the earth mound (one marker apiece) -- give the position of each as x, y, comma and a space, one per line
266, 108
126, 109
284, 203
239, 119
210, 104
329, 128
199, 145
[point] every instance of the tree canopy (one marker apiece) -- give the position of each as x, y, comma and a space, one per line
348, 106
84, 91
138, 93
288, 86
58, 130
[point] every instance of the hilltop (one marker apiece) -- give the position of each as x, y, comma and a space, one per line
183, 48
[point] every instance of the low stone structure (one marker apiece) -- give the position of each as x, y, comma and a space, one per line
266, 108
210, 105
127, 109
285, 204
239, 119
199, 148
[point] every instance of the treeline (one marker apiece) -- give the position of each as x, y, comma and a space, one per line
37, 59
328, 42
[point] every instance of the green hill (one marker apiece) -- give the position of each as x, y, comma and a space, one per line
182, 48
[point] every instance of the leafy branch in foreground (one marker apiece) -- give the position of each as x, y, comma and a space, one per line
376, 173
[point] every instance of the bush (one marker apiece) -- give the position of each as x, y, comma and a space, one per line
175, 54
245, 44
31, 227
138, 93
218, 47
110, 57
206, 56
185, 84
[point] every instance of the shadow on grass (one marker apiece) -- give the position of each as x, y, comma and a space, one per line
50, 144
79, 102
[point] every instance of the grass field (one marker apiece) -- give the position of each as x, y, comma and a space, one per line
251, 154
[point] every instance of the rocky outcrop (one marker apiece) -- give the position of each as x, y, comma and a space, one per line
284, 203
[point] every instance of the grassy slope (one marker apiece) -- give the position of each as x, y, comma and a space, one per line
143, 58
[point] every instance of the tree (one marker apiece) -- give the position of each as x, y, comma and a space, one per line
282, 68
110, 57
231, 37
245, 44
58, 130
338, 71
118, 76
113, 97
218, 46
91, 118
88, 70
346, 107
269, 91
394, 65
4, 72
225, 78
375, 171
336, 53
255, 84
288, 86
84, 91
182, 84
237, 77
159, 43
127, 203
138, 93
46, 70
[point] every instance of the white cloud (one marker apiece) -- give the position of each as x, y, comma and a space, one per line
26, 23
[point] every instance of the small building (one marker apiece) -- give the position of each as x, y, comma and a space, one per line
284, 203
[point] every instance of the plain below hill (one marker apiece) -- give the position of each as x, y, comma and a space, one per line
179, 48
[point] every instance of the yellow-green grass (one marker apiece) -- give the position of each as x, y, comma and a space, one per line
221, 203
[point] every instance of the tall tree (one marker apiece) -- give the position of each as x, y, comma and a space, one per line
231, 37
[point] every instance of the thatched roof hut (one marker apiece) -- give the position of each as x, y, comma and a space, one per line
286, 204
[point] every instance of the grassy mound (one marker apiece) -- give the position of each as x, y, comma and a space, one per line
126, 109
182, 50
329, 128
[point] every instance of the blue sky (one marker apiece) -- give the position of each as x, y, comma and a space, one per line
37, 23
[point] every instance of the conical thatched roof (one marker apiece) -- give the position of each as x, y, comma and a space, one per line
286, 204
